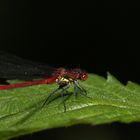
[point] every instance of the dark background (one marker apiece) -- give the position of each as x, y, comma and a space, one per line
97, 37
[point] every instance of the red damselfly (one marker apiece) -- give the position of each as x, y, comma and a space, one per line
13, 67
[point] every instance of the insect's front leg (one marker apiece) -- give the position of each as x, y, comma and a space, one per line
77, 87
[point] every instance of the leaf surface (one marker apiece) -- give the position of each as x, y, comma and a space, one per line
107, 101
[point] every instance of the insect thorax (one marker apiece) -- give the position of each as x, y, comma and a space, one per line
63, 81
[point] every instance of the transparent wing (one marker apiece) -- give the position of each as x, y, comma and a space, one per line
14, 67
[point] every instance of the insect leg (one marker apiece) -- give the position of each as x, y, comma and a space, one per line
51, 94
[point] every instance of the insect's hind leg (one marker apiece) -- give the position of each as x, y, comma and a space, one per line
51, 94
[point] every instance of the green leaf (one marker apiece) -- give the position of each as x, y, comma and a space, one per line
107, 101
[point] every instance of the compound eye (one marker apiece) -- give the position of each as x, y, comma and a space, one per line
84, 76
